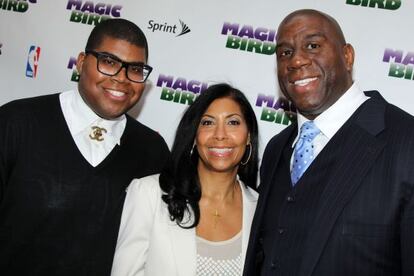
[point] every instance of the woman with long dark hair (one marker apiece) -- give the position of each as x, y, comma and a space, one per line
195, 217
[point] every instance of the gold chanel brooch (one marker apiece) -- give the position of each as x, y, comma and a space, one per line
97, 133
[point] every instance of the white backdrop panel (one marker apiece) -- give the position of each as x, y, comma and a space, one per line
200, 55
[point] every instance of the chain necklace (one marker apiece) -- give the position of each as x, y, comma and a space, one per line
217, 216
216, 213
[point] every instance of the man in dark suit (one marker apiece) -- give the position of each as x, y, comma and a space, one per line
337, 198
66, 160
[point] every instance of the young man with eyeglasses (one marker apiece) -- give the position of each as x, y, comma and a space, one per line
66, 160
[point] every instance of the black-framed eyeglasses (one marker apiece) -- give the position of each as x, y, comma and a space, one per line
111, 65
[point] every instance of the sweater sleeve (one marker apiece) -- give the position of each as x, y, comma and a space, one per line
2, 153
142, 199
8, 145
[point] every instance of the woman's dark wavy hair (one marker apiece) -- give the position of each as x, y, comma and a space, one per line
179, 179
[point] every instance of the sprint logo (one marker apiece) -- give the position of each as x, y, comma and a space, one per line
184, 28
169, 28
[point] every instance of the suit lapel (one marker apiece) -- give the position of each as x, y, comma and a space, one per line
266, 181
272, 156
359, 148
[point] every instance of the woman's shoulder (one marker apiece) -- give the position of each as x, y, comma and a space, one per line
145, 186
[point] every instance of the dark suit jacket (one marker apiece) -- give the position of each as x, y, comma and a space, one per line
361, 220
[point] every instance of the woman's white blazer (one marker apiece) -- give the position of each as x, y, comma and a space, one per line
150, 244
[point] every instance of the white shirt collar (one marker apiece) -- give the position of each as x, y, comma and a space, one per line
332, 119
80, 116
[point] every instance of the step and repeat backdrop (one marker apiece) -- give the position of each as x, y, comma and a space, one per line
194, 44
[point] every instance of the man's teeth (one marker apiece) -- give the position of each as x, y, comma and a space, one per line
304, 81
221, 150
116, 93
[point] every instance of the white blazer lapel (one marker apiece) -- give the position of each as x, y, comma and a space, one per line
249, 207
184, 250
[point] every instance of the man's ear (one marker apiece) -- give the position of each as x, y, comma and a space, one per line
79, 62
349, 56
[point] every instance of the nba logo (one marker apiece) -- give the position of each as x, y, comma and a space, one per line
32, 61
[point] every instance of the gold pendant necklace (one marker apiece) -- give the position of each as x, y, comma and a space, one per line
216, 214
216, 217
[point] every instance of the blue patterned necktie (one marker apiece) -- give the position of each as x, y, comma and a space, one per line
303, 153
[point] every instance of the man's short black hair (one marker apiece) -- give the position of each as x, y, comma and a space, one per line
117, 28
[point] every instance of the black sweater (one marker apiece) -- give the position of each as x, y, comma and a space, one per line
58, 214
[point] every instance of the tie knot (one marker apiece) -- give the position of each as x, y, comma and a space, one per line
309, 130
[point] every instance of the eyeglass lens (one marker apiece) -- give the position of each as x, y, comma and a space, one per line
110, 66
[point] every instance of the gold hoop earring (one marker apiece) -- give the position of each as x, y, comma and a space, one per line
250, 154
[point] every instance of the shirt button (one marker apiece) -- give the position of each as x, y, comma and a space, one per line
290, 199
